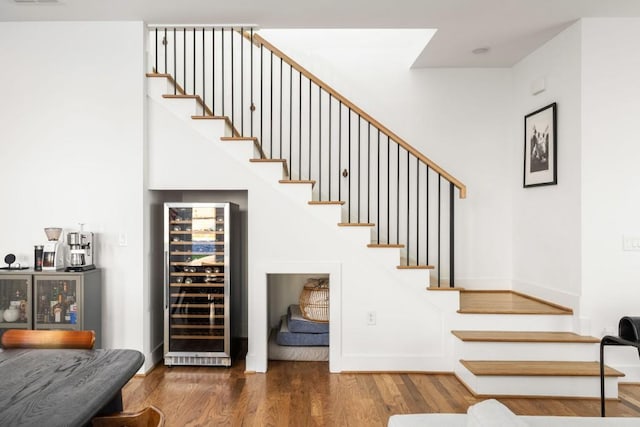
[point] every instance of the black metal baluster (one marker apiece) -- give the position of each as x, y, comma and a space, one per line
398, 193
309, 129
222, 88
175, 71
251, 88
299, 125
369, 173
339, 149
438, 260
165, 42
330, 132
451, 235
233, 81
408, 209
241, 81
184, 60
359, 193
155, 68
418, 211
281, 156
350, 170
378, 222
213, 71
262, 94
388, 189
291, 121
427, 209
194, 61
204, 92
271, 107
319, 143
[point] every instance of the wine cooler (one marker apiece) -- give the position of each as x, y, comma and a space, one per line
199, 271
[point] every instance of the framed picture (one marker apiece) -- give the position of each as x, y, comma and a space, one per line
540, 147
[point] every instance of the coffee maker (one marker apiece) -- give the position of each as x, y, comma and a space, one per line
81, 257
53, 251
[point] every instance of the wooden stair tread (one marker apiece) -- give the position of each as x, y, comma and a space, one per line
415, 267
355, 224
524, 336
385, 245
537, 368
506, 302
298, 181
326, 202
208, 117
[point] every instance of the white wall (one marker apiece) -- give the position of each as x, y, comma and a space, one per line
546, 220
456, 117
610, 178
71, 132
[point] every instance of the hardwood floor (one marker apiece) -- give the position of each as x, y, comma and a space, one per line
306, 394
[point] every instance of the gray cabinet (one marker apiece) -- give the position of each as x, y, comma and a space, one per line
15, 300
53, 300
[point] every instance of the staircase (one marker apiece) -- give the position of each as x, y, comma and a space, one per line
494, 352
515, 359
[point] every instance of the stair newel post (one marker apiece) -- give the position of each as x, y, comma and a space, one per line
451, 235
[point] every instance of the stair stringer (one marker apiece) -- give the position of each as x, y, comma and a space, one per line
411, 331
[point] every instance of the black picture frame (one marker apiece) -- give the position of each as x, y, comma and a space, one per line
541, 147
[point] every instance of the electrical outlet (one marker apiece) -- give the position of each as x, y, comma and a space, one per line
631, 243
371, 318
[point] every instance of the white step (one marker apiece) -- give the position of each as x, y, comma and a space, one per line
526, 351
559, 385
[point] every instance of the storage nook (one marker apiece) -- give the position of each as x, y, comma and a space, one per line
298, 317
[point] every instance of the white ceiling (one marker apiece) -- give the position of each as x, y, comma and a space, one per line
511, 28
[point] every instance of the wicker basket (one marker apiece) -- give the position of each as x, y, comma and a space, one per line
314, 300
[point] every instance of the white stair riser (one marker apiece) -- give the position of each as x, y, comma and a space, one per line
513, 322
183, 108
584, 387
390, 256
212, 128
271, 172
330, 214
158, 86
301, 193
361, 235
526, 351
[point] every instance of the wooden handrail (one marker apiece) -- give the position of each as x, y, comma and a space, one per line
260, 41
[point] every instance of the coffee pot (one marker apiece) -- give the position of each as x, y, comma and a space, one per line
81, 256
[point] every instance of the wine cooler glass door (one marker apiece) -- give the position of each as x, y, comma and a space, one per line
197, 300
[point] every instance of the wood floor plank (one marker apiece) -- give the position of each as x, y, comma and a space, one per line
305, 393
